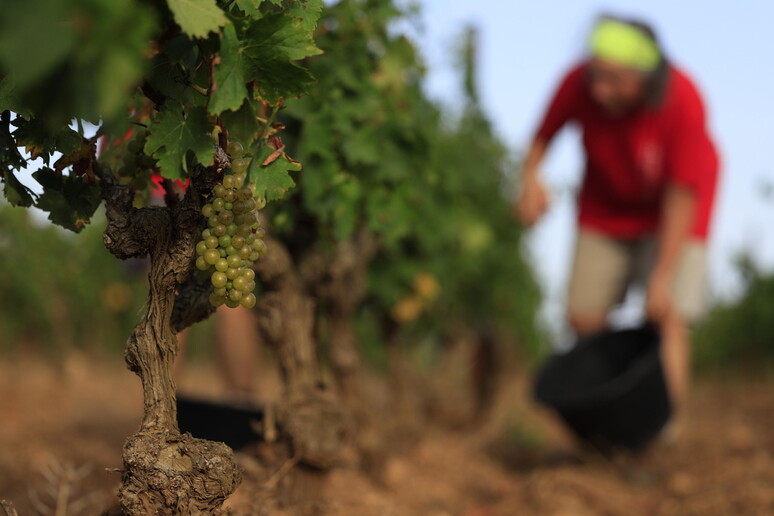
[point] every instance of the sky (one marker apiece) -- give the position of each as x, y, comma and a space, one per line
524, 48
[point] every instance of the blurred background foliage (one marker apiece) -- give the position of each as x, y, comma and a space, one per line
740, 332
432, 183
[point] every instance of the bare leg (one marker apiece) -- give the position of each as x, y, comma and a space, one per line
588, 324
237, 337
676, 358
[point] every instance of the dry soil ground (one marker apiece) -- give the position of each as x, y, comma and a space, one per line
62, 426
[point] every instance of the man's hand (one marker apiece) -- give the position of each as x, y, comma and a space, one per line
658, 302
533, 201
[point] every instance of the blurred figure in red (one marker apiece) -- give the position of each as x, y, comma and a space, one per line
648, 190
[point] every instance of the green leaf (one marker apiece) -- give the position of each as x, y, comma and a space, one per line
70, 201
39, 140
35, 37
307, 13
265, 54
272, 181
173, 134
8, 100
242, 124
9, 150
197, 17
16, 193
229, 75
169, 72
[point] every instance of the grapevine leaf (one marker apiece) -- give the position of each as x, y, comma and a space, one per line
16, 193
173, 134
230, 88
272, 181
243, 123
197, 17
9, 151
8, 100
169, 70
70, 201
307, 13
38, 139
30, 53
249, 6
267, 51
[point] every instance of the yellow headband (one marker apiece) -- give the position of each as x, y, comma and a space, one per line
621, 43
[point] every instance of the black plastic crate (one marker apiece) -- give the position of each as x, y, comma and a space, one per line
609, 389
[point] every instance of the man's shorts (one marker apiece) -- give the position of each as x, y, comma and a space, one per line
605, 267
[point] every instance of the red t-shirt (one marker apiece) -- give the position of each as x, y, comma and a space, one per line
629, 160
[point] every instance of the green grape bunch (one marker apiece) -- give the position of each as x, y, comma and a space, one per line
234, 238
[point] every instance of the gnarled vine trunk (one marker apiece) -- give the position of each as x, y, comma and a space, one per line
165, 472
312, 419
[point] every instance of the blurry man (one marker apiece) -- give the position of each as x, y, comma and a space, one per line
648, 189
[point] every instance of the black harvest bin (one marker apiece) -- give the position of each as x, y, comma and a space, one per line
609, 389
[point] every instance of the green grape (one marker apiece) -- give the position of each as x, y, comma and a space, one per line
260, 203
238, 241
201, 264
239, 207
207, 210
245, 252
247, 264
260, 233
259, 245
221, 265
228, 206
231, 304
200, 248
239, 178
222, 252
234, 149
234, 261
240, 219
219, 230
239, 283
248, 301
228, 184
224, 241
220, 291
250, 286
248, 274
205, 234
211, 256
231, 250
238, 166
217, 204
229, 286
218, 190
249, 239
216, 300
225, 217
211, 242
243, 230
218, 279
250, 205
250, 219
255, 255
230, 195
232, 273
231, 229
244, 194
234, 294
212, 221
